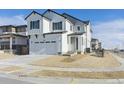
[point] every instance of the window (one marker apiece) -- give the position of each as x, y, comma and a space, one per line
53, 41
31, 25
67, 40
36, 42
29, 36
78, 28
47, 41
35, 24
41, 42
57, 26
43, 35
71, 28
71, 40
36, 35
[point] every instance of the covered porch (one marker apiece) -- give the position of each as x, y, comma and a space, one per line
9, 44
6, 43
76, 43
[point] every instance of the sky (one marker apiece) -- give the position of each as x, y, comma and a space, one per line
107, 25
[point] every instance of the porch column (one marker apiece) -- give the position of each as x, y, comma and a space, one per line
79, 44
10, 44
69, 42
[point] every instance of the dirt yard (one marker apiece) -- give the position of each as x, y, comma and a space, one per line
78, 61
90, 75
10, 69
6, 56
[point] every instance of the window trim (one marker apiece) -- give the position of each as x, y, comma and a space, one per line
35, 24
71, 28
78, 28
57, 25
36, 36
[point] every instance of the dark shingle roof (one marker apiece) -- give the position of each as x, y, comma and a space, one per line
36, 13
85, 22
62, 15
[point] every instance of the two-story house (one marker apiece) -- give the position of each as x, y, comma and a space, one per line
13, 39
54, 33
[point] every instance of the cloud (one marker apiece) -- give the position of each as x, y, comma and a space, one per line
12, 20
110, 33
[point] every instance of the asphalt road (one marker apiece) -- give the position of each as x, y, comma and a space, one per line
4, 80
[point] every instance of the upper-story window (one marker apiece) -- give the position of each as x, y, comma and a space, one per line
78, 28
57, 26
71, 28
35, 24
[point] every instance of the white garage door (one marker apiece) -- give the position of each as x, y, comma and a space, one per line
49, 47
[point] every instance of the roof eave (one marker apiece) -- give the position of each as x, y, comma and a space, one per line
49, 10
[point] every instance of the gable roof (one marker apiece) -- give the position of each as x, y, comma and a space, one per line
62, 15
65, 14
36, 13
49, 10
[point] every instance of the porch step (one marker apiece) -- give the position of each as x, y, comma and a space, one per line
70, 54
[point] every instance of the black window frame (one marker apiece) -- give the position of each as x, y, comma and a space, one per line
36, 35
78, 28
35, 24
71, 27
29, 36
57, 25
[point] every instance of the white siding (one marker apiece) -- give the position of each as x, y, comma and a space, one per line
81, 26
88, 36
84, 42
46, 25
64, 43
68, 24
34, 17
55, 18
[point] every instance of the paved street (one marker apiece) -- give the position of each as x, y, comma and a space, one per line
4, 80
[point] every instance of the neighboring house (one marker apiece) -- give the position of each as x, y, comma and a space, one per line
13, 39
95, 44
54, 33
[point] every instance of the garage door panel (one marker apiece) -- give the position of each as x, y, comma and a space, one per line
49, 48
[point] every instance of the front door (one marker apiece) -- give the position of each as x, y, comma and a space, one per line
76, 43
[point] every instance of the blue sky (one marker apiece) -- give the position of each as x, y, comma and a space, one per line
94, 15
107, 25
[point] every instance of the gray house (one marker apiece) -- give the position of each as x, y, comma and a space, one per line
13, 39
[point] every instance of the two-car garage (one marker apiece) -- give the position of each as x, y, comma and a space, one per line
45, 44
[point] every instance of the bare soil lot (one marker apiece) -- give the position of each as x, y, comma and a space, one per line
78, 61
120, 54
89, 75
6, 56
10, 69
